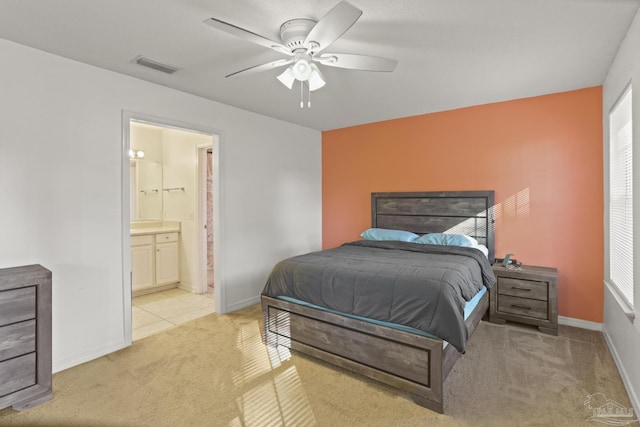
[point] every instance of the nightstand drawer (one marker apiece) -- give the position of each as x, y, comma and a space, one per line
522, 307
17, 339
17, 305
17, 373
523, 288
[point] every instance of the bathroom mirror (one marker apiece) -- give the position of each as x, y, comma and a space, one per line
146, 179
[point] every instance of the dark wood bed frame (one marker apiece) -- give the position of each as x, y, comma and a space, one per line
414, 364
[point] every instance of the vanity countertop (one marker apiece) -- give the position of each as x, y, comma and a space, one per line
139, 228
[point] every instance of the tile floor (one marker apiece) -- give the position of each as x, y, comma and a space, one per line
153, 313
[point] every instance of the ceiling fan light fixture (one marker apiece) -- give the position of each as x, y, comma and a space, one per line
287, 78
301, 69
316, 79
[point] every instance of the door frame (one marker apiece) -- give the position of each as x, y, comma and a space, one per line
217, 137
201, 153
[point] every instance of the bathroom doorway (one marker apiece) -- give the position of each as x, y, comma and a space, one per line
179, 158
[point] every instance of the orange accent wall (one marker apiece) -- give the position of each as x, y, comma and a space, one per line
542, 156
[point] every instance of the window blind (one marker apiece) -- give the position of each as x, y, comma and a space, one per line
621, 197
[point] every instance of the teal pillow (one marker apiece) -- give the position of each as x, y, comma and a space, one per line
447, 239
461, 240
387, 234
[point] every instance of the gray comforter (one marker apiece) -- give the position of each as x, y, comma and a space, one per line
421, 286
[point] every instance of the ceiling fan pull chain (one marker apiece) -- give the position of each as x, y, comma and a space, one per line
309, 100
301, 94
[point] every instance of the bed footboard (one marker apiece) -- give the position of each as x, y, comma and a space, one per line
408, 362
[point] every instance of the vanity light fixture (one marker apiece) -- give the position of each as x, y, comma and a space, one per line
136, 154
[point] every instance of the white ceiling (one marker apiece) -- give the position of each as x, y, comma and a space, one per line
451, 53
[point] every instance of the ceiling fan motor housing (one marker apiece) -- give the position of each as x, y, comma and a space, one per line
294, 32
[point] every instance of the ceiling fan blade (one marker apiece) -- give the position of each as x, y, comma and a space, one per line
357, 62
262, 67
247, 35
332, 25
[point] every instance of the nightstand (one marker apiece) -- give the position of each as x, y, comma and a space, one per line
526, 294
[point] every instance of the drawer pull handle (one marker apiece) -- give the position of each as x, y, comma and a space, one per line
520, 306
520, 289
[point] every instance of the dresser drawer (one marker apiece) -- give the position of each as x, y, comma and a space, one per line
522, 307
17, 373
17, 339
523, 288
25, 336
166, 237
17, 305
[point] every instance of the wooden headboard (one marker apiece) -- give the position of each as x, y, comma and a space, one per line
462, 212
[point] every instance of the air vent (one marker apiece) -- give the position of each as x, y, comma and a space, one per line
155, 65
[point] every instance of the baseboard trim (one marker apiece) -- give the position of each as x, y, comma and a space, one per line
242, 304
78, 359
187, 287
628, 384
579, 323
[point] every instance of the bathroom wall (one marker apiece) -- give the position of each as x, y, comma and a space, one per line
148, 140
180, 170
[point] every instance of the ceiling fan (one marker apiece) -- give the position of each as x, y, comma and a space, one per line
303, 41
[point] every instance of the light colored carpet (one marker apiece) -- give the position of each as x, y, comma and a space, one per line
215, 371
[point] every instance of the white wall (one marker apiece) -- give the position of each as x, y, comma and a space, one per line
61, 186
622, 332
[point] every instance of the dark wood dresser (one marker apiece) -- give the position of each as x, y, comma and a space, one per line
25, 336
526, 294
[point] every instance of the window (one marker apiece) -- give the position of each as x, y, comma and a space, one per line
621, 197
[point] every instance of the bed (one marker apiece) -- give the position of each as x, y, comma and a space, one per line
405, 357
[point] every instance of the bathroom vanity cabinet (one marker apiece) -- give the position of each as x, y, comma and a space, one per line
167, 259
155, 261
142, 261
